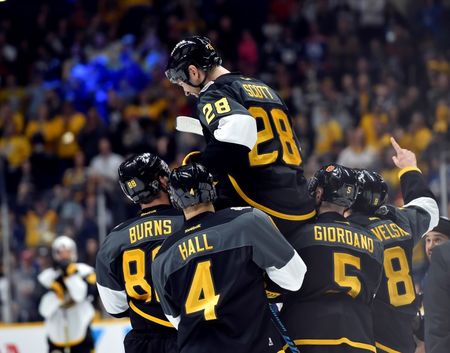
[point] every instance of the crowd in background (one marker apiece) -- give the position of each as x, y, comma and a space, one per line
82, 86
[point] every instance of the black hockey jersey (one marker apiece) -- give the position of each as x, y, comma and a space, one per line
124, 267
271, 178
332, 310
395, 307
210, 278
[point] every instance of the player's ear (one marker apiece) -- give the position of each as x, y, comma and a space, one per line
319, 195
194, 73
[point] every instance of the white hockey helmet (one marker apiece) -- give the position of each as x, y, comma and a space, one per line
63, 242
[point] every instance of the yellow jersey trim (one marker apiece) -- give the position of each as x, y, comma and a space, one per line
71, 269
268, 210
58, 289
408, 169
69, 343
147, 213
385, 348
188, 157
149, 317
27, 325
92, 278
333, 342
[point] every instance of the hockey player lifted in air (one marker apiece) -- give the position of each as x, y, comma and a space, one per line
252, 149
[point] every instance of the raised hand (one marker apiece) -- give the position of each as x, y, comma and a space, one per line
404, 158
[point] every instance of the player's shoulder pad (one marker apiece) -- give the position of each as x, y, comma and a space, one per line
262, 217
122, 225
84, 269
228, 214
48, 276
387, 212
241, 209
360, 228
259, 214
365, 220
211, 90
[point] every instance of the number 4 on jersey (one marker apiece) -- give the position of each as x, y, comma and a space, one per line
202, 296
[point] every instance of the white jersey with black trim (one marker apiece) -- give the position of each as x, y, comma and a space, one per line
67, 307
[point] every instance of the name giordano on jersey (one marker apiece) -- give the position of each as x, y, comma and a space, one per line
344, 236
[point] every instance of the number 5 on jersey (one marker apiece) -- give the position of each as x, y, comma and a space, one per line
341, 262
202, 295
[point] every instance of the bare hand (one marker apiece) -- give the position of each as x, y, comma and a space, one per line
420, 348
404, 158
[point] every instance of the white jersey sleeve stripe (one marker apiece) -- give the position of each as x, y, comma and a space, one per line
291, 275
49, 304
430, 206
114, 301
237, 128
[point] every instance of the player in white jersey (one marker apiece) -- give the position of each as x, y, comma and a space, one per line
67, 305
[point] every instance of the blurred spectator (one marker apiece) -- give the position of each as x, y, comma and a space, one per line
90, 252
15, 149
357, 154
248, 54
68, 126
40, 224
104, 166
329, 133
69, 210
76, 178
418, 135
344, 45
374, 125
25, 291
371, 18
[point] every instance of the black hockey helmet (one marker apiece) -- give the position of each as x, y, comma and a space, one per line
373, 191
197, 51
190, 185
339, 184
139, 176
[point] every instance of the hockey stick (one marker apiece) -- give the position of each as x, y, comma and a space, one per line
66, 331
188, 124
282, 329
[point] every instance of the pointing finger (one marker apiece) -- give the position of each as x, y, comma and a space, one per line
395, 145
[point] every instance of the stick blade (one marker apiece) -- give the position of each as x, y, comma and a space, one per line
188, 124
